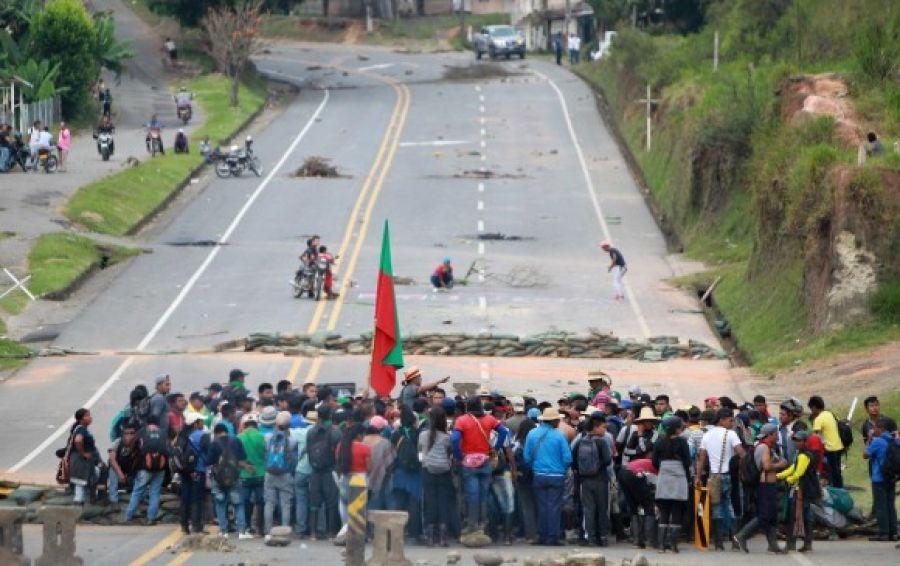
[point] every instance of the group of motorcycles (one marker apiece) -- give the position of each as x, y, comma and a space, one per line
20, 153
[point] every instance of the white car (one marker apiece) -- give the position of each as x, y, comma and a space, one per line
499, 40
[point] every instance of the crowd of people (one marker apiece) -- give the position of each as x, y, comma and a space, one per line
592, 468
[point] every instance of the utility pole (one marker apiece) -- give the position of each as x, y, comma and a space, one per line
716, 52
649, 102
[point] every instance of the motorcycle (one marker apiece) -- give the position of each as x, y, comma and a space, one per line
154, 141
184, 114
45, 159
235, 162
104, 144
310, 279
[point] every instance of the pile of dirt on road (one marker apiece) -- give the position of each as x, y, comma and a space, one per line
476, 72
204, 543
486, 174
318, 166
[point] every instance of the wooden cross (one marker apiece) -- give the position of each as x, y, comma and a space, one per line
649, 102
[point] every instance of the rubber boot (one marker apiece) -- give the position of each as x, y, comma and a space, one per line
741, 537
650, 530
508, 529
442, 535
772, 539
429, 535
314, 524
637, 532
807, 537
674, 535
715, 527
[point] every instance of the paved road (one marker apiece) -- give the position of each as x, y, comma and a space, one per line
379, 120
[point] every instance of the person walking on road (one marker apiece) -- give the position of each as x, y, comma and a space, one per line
804, 490
63, 143
617, 267
767, 463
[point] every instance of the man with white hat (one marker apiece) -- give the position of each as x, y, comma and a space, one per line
617, 267
413, 386
547, 452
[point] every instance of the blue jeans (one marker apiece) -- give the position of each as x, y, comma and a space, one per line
193, 488
723, 509
253, 495
476, 483
301, 498
112, 489
145, 480
221, 498
548, 491
279, 492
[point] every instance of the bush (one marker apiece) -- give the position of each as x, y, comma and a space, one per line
64, 34
877, 50
885, 303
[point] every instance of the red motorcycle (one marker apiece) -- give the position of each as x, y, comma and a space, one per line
154, 141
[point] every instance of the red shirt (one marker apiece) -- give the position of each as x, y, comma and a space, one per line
441, 269
360, 452
815, 444
472, 440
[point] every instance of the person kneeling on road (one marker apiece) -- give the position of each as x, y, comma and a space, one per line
124, 462
442, 277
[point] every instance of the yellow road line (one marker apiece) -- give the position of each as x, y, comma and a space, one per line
367, 215
180, 559
295, 369
158, 548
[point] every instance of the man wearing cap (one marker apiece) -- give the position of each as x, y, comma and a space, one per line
617, 267
513, 422
804, 487
196, 406
159, 404
213, 397
252, 491
769, 464
718, 446
413, 386
235, 386
548, 454
267, 420
789, 422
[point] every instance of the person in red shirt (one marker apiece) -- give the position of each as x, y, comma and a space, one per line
353, 456
442, 277
329, 276
472, 447
177, 405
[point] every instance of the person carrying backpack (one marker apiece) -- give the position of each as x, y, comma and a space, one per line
281, 459
154, 452
226, 456
884, 452
407, 472
763, 464
592, 456
188, 450
321, 441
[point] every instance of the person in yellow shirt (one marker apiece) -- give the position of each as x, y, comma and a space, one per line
825, 424
196, 406
803, 481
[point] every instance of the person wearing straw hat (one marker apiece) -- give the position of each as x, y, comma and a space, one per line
413, 386
617, 267
549, 455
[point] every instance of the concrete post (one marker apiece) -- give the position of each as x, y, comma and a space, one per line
388, 541
59, 536
356, 521
11, 548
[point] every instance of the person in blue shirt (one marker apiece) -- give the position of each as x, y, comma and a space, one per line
883, 489
549, 455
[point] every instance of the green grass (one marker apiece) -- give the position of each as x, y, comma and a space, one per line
115, 204
58, 259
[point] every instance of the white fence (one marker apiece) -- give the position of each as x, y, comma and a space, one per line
22, 115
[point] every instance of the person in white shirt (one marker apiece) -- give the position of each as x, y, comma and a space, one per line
718, 446
574, 48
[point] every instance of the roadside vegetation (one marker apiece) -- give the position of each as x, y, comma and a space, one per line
118, 203
59, 260
754, 186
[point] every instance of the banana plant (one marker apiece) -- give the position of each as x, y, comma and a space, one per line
41, 76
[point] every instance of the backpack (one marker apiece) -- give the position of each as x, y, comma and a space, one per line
890, 468
588, 463
749, 471
226, 472
845, 431
154, 455
320, 450
407, 453
279, 458
137, 416
184, 459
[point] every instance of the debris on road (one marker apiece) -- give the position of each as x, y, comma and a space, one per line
317, 166
205, 543
486, 174
500, 236
476, 72
401, 280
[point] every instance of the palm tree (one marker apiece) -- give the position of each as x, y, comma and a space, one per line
111, 53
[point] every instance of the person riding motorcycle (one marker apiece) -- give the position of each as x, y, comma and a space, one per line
155, 124
183, 99
106, 127
309, 255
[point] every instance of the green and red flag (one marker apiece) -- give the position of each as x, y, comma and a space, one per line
387, 345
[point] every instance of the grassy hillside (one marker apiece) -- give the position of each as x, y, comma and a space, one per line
748, 188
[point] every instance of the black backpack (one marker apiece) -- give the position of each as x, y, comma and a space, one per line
588, 463
749, 471
226, 472
184, 459
890, 468
154, 454
407, 452
845, 431
319, 449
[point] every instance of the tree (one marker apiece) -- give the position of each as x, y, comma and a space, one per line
17, 15
233, 38
110, 53
63, 33
41, 77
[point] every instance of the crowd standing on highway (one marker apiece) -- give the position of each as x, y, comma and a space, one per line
591, 469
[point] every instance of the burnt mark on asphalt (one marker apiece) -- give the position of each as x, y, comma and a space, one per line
477, 72
501, 237
487, 174
196, 243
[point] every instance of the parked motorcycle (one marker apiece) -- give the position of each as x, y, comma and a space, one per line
310, 279
46, 160
104, 144
233, 163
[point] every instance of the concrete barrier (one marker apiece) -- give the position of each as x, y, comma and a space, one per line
11, 548
59, 536
388, 541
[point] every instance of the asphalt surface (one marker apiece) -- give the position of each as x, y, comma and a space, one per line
405, 137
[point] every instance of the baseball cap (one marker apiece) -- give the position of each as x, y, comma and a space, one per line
534, 413
633, 390
160, 378
767, 429
236, 374
215, 386
625, 404
800, 435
